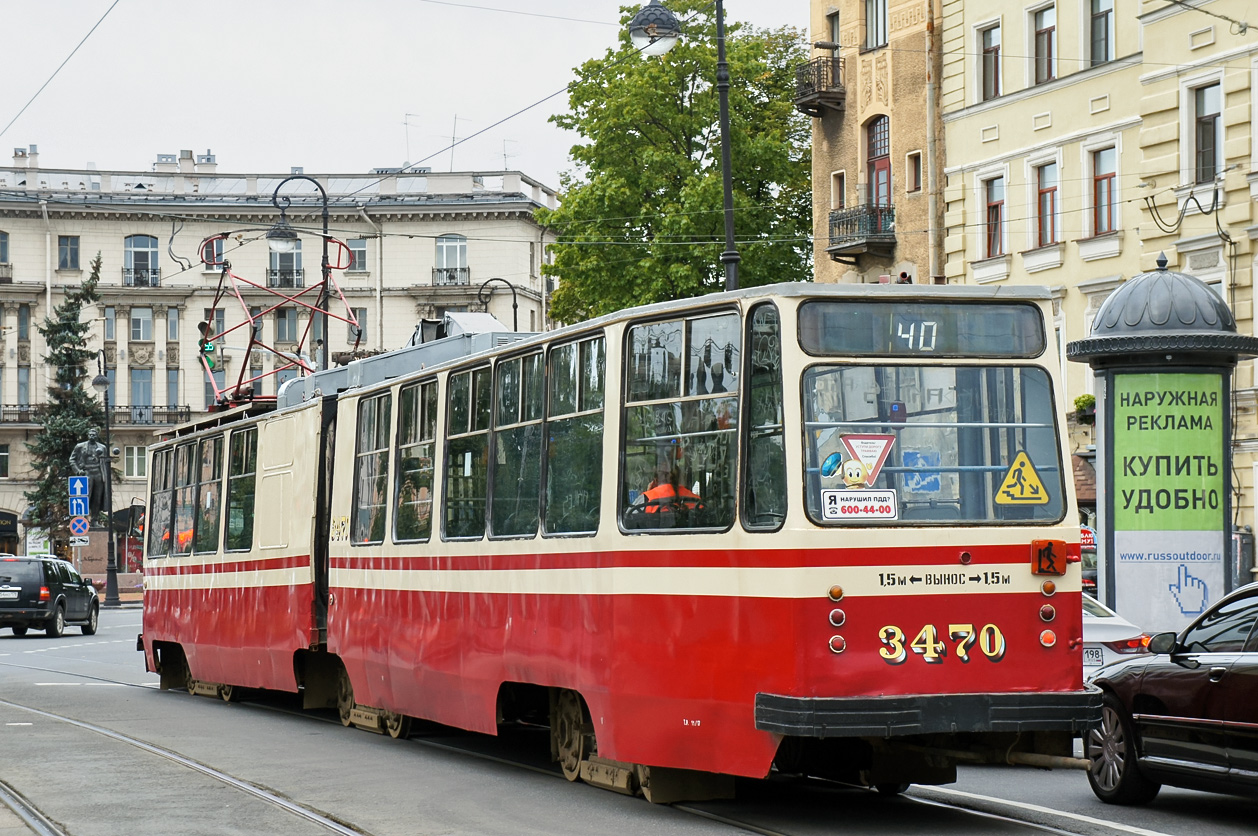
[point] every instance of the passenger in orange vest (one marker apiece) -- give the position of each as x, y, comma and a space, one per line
664, 491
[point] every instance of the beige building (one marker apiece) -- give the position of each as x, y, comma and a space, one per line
418, 244
1077, 140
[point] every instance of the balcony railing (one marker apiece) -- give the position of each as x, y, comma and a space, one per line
819, 85
863, 229
451, 275
118, 415
6, 272
141, 276
286, 278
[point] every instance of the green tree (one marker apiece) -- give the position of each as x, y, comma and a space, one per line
641, 218
72, 409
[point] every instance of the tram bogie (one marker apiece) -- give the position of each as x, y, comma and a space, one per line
824, 530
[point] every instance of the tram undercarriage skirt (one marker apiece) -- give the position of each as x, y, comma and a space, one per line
1070, 711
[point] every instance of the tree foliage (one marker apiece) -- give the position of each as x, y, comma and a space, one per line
641, 218
72, 409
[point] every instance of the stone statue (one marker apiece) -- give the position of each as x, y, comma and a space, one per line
90, 458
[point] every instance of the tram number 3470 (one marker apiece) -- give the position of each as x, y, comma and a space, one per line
988, 640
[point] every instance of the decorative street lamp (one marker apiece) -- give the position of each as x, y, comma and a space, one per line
483, 298
655, 30
101, 384
282, 238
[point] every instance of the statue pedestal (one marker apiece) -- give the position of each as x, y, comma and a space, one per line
92, 560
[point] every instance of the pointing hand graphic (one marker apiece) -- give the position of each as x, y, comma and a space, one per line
1191, 593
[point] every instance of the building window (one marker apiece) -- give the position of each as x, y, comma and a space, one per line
110, 320
23, 322
1045, 45
67, 252
838, 190
142, 391
135, 462
217, 318
139, 261
212, 254
878, 143
1206, 102
914, 178
994, 193
172, 324
358, 334
4, 248
142, 324
989, 40
286, 325
450, 266
1103, 182
255, 315
172, 388
1046, 204
286, 269
357, 255
219, 382
23, 385
4, 461
875, 23
1102, 31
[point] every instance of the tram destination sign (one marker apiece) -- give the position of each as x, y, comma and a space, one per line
909, 328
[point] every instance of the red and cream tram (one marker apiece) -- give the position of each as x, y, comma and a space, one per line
822, 529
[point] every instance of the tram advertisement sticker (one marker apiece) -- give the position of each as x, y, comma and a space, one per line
1021, 485
870, 450
858, 505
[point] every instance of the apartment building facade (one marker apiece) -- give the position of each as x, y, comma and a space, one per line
416, 245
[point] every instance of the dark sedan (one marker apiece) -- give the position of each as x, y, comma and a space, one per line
1185, 714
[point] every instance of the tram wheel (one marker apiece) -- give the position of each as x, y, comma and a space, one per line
568, 726
890, 789
229, 693
397, 725
344, 698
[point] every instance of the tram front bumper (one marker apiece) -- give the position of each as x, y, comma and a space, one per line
900, 716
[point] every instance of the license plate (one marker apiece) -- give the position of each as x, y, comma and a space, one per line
7, 594
1092, 656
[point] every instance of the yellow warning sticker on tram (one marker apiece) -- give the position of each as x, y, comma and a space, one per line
1021, 485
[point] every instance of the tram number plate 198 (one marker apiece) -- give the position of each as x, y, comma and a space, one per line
858, 504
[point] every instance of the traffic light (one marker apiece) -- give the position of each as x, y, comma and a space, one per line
206, 343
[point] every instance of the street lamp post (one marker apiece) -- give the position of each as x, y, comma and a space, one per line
654, 30
281, 238
101, 384
483, 298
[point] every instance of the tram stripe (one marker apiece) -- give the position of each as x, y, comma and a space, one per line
297, 576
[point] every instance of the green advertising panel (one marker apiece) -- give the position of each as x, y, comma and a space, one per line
1168, 449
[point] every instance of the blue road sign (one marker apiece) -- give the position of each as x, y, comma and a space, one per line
78, 506
78, 526
78, 486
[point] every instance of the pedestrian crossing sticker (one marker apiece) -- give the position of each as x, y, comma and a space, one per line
1021, 485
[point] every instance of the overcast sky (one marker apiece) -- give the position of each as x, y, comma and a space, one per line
330, 85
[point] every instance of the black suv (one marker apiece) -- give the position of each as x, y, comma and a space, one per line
45, 593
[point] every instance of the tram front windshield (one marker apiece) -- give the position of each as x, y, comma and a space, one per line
931, 444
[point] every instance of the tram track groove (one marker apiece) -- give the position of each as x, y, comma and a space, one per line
30, 815
302, 811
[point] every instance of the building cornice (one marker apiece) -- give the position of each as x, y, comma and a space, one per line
1128, 62
1214, 60
1057, 141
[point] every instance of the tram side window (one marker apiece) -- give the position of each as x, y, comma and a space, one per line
764, 477
417, 435
209, 494
681, 423
241, 482
575, 387
467, 454
371, 469
515, 500
159, 505
185, 498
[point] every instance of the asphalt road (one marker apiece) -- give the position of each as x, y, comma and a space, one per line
88, 739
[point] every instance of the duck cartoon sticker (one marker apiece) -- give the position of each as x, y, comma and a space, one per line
855, 473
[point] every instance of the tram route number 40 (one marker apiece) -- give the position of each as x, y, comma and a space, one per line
932, 646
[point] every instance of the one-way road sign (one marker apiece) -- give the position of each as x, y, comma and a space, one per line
78, 486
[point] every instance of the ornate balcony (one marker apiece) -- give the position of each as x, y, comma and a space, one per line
868, 229
141, 276
819, 86
286, 278
451, 275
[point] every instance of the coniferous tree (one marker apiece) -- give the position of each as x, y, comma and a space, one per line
72, 408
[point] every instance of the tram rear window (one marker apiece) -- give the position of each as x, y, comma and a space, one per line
909, 328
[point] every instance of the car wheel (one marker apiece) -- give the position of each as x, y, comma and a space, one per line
93, 618
57, 624
19, 630
1114, 774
